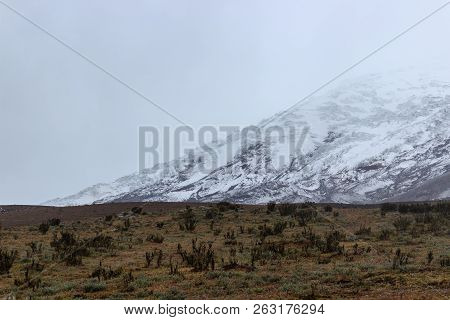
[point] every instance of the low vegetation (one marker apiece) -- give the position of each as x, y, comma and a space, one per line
229, 251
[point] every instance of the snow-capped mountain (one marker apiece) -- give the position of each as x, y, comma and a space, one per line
375, 138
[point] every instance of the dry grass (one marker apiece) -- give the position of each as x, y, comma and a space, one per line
228, 252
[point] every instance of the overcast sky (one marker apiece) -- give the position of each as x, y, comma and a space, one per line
65, 125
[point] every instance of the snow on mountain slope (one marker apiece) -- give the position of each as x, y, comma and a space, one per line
371, 139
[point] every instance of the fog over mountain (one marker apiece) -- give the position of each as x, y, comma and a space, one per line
65, 124
374, 138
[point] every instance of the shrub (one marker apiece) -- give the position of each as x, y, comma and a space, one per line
173, 268
155, 238
265, 231
69, 249
287, 209
35, 247
304, 216
67, 240
213, 213
201, 257
102, 273
267, 250
430, 257
189, 222
94, 287
127, 282
136, 210
230, 238
44, 227
384, 234
108, 218
331, 243
99, 241
225, 206
364, 231
149, 256
172, 294
400, 259
402, 223
271, 206
279, 227
328, 208
388, 207
54, 222
7, 260
75, 257
32, 283
445, 261
126, 224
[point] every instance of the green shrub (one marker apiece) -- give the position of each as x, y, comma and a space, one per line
172, 294
402, 223
287, 209
189, 222
94, 287
44, 227
200, 258
7, 259
155, 238
388, 207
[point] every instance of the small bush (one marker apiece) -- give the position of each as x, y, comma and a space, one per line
364, 231
400, 259
200, 258
226, 206
102, 273
94, 287
155, 238
402, 223
388, 207
230, 238
126, 224
213, 213
69, 249
189, 222
44, 227
67, 240
271, 206
136, 210
331, 243
305, 216
172, 294
279, 227
445, 261
384, 234
7, 259
54, 222
430, 257
267, 250
127, 282
287, 209
99, 241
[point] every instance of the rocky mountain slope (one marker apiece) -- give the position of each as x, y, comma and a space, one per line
375, 138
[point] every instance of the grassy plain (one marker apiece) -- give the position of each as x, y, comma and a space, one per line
224, 251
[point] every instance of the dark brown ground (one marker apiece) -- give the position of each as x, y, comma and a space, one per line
32, 215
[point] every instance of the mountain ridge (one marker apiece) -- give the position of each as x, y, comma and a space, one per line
371, 139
